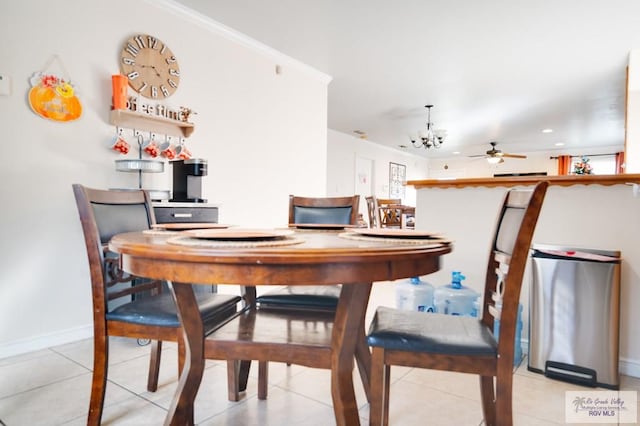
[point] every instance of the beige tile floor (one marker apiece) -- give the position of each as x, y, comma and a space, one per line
51, 387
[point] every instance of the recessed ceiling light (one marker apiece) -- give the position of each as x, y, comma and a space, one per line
456, 152
547, 130
560, 144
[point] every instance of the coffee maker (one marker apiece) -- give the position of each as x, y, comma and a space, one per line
187, 180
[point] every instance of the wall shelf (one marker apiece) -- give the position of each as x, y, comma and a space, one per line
151, 123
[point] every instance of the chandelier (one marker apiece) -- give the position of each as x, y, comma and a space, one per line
430, 137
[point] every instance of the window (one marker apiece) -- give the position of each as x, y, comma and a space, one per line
600, 164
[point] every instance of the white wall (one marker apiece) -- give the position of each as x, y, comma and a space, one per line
591, 216
632, 159
343, 149
263, 134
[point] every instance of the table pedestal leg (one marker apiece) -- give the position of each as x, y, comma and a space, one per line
348, 329
181, 409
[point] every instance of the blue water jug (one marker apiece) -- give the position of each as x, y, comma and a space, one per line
454, 298
414, 294
517, 351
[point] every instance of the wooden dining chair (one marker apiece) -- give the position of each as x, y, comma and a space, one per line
313, 211
465, 344
371, 211
125, 305
388, 216
310, 211
380, 215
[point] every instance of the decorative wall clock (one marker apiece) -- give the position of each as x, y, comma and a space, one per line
150, 65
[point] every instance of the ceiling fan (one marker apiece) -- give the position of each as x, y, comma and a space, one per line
495, 156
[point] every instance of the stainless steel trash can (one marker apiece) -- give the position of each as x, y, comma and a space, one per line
574, 315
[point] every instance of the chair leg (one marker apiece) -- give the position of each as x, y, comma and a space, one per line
237, 378
263, 379
243, 375
363, 360
379, 389
233, 379
488, 400
182, 354
99, 379
154, 366
504, 399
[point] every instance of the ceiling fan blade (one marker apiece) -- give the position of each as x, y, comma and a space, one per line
480, 155
514, 155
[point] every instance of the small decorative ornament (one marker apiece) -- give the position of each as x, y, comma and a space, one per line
185, 113
54, 97
582, 167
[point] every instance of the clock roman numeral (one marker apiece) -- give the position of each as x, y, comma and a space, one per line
174, 73
152, 42
140, 41
164, 90
164, 47
133, 51
154, 92
133, 75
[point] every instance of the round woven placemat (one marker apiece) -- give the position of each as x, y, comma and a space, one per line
414, 241
200, 242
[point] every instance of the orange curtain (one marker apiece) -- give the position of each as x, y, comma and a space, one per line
564, 165
619, 163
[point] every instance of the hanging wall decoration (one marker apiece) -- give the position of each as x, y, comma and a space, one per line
397, 180
53, 96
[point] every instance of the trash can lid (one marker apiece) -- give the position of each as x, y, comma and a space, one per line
575, 255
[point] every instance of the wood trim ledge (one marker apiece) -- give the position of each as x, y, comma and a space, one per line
527, 180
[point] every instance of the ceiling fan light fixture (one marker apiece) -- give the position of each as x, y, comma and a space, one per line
430, 137
494, 160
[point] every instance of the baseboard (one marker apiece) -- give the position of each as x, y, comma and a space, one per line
627, 367
43, 341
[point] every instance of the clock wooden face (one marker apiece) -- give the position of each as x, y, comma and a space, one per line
151, 67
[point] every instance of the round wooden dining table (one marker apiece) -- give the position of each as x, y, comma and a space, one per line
305, 257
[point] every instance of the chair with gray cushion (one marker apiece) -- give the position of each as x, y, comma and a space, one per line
312, 211
125, 305
465, 344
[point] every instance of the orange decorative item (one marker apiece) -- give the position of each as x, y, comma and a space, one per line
168, 151
54, 98
151, 148
182, 152
119, 85
121, 145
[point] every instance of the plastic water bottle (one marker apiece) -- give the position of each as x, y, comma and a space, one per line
517, 350
414, 295
454, 298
